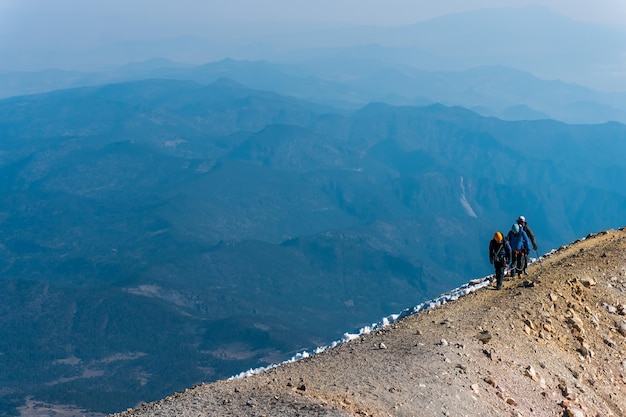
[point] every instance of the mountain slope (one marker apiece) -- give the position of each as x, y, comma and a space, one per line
550, 344
251, 226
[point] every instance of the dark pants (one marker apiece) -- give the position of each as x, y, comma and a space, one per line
525, 262
500, 266
519, 263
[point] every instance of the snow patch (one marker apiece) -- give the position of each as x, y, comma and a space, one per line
466, 205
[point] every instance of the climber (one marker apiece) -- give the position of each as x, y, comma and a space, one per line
499, 256
518, 239
521, 220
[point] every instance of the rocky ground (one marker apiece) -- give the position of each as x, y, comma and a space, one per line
549, 344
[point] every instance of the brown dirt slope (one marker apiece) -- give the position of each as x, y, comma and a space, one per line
550, 344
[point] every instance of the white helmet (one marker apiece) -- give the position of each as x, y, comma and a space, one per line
521, 219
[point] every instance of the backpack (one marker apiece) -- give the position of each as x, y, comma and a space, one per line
499, 252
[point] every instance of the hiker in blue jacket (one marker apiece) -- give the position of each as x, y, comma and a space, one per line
518, 239
499, 256
521, 220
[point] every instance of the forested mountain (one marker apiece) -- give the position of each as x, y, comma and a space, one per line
160, 233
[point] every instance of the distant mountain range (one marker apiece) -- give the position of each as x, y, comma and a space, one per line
532, 39
160, 233
346, 83
524, 63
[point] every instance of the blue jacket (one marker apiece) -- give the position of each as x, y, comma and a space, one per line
519, 241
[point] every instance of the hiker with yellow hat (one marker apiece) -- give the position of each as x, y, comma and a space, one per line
499, 256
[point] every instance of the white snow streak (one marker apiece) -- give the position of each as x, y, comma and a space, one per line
453, 295
466, 205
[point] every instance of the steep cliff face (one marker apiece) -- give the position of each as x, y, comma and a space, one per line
552, 343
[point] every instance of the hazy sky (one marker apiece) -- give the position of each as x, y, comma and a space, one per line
28, 27
44, 21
